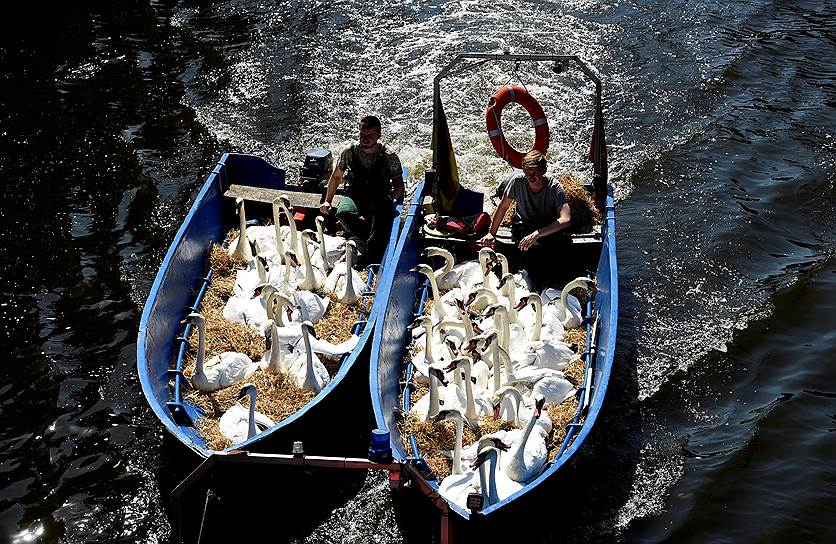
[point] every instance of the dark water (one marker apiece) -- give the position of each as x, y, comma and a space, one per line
719, 423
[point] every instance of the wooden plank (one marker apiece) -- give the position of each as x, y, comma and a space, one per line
503, 237
259, 194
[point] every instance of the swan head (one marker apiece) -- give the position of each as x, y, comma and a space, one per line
320, 222
194, 317
483, 456
448, 413
247, 390
505, 279
259, 289
436, 252
491, 310
285, 200
290, 254
239, 205
308, 326
450, 342
539, 403
423, 269
492, 441
423, 321
308, 234
439, 374
524, 301
482, 341
466, 360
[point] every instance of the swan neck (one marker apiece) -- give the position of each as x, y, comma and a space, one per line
448, 263
349, 270
292, 224
277, 225
309, 369
251, 429
457, 448
437, 305
497, 379
468, 389
538, 319
428, 344
518, 453
434, 404
275, 352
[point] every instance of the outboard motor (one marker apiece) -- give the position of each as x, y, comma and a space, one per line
316, 170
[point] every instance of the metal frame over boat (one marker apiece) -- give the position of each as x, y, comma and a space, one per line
404, 299
178, 289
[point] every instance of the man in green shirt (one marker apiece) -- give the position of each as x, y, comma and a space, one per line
375, 182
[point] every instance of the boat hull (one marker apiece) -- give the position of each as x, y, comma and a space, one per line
168, 303
391, 339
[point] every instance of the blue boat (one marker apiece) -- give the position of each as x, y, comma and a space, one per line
406, 291
179, 288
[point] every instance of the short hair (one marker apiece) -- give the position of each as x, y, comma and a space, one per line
370, 121
534, 159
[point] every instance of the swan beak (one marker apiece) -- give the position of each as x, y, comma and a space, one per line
480, 459
256, 293
523, 301
499, 444
478, 330
294, 259
496, 411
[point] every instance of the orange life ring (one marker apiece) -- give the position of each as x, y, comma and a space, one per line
503, 97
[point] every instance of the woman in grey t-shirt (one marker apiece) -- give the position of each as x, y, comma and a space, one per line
541, 212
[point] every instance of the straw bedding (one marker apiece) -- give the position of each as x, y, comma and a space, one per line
432, 438
278, 396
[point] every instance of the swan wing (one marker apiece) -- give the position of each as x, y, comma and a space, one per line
323, 347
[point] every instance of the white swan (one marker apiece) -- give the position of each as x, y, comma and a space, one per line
284, 204
238, 423
222, 370
521, 278
451, 276
344, 281
474, 406
422, 360
275, 359
529, 455
429, 405
440, 310
330, 247
496, 485
314, 277
570, 314
242, 250
522, 411
480, 298
456, 414
554, 327
307, 369
277, 225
